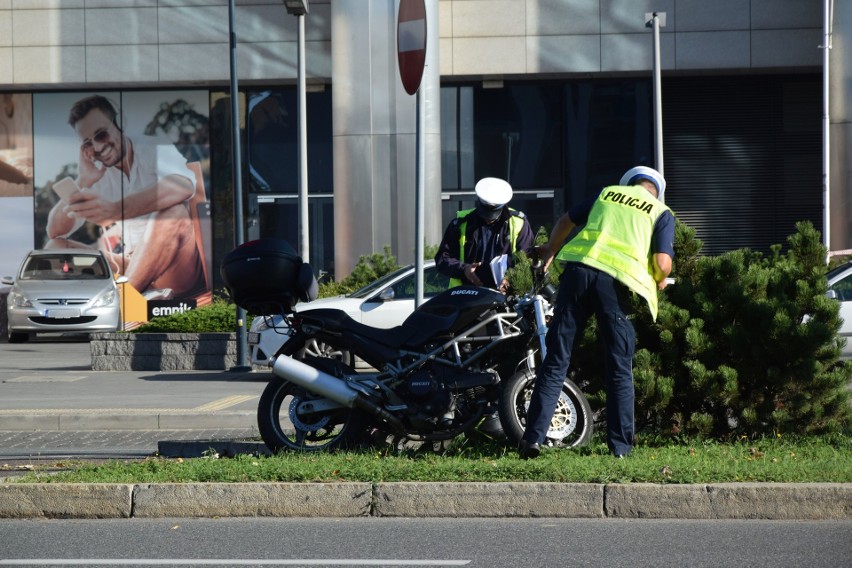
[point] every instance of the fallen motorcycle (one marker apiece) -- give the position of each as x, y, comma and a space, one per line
460, 357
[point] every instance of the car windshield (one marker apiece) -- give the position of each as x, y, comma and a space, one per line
64, 266
377, 285
842, 288
834, 272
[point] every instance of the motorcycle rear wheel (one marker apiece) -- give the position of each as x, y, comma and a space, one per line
283, 427
571, 425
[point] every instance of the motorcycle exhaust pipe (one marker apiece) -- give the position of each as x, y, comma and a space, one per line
329, 386
315, 381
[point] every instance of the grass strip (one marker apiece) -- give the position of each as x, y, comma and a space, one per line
804, 460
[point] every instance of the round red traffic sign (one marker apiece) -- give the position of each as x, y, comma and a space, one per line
411, 43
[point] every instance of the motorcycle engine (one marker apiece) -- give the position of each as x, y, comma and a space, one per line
441, 398
429, 393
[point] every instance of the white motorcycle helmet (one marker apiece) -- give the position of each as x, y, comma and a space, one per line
644, 172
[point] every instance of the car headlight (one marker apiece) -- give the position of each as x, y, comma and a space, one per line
106, 298
19, 300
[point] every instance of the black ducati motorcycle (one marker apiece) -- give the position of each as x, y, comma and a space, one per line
459, 358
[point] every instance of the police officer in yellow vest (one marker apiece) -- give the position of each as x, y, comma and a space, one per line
625, 245
476, 236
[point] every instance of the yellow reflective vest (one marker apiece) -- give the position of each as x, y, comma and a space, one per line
516, 223
617, 239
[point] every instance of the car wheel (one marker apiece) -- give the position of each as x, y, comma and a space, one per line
16, 337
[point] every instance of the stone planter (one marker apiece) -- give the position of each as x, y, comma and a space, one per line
163, 351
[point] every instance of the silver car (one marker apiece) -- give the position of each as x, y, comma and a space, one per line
68, 290
840, 288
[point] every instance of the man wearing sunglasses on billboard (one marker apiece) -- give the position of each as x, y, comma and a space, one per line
136, 193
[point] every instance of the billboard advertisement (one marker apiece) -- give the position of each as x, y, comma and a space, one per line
126, 173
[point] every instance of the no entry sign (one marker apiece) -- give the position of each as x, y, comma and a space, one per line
411, 43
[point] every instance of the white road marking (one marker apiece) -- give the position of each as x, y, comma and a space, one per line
227, 562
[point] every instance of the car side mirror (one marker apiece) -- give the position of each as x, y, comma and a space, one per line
831, 294
7, 280
386, 295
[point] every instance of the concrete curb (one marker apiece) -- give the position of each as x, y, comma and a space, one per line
776, 501
477, 499
252, 500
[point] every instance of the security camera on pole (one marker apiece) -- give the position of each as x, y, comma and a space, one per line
411, 55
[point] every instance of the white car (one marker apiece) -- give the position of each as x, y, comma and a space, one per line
840, 288
383, 303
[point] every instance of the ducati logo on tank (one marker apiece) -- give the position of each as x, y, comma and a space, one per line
464, 293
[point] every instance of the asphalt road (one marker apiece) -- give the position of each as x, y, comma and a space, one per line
426, 542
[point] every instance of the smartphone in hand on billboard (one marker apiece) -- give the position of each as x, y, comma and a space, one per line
65, 188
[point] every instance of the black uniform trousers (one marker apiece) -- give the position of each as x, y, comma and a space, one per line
584, 291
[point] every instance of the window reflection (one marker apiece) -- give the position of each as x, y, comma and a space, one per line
554, 142
272, 141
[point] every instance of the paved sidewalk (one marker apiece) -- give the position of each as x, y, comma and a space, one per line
53, 406
48, 385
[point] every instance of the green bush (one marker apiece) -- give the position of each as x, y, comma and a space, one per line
743, 344
218, 316
369, 268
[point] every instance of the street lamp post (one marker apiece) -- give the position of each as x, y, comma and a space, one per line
828, 20
299, 8
242, 344
657, 20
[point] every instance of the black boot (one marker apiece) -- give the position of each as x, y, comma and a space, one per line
528, 451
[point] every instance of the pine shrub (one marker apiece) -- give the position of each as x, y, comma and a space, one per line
744, 344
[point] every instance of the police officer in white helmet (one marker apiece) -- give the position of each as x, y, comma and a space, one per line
478, 235
624, 246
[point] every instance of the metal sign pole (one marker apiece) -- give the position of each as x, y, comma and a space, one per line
411, 56
421, 201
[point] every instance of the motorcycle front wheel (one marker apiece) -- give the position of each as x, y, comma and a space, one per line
285, 424
571, 424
